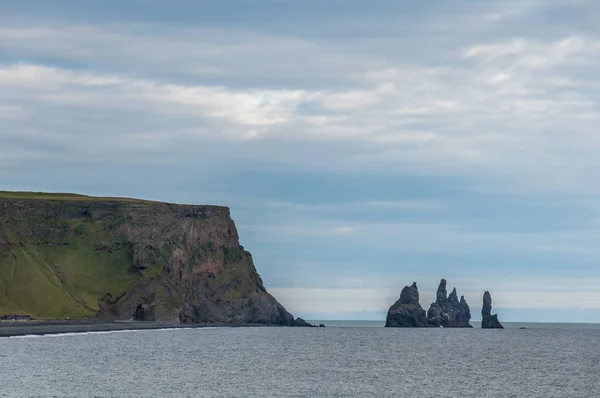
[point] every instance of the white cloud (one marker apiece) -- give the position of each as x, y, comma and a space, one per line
79, 89
506, 112
519, 57
492, 51
350, 101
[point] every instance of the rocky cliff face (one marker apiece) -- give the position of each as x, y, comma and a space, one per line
489, 321
407, 312
449, 311
75, 256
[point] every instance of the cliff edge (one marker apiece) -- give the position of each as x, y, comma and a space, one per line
73, 256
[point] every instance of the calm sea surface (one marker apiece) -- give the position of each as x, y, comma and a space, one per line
346, 359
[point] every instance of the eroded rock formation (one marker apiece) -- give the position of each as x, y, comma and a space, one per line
448, 311
407, 312
489, 321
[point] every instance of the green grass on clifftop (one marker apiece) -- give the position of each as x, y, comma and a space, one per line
66, 196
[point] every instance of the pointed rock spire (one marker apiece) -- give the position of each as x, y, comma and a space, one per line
489, 321
448, 311
453, 297
442, 293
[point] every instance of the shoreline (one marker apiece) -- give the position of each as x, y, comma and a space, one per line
41, 328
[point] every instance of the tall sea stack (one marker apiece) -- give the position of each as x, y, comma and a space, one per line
407, 312
449, 311
489, 321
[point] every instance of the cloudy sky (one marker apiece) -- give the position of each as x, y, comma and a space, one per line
361, 145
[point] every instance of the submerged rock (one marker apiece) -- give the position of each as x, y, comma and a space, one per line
407, 312
489, 321
448, 311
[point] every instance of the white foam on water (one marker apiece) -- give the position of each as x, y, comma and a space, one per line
30, 336
27, 336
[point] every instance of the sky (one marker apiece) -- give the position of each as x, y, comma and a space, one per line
361, 145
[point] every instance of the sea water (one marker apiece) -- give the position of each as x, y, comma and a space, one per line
345, 359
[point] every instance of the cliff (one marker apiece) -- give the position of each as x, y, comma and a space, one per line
407, 312
489, 321
72, 256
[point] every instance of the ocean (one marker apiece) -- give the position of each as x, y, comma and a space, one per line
345, 359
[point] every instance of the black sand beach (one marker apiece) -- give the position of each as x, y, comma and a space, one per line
8, 329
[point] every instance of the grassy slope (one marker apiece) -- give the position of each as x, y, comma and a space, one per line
28, 285
87, 274
63, 278
58, 282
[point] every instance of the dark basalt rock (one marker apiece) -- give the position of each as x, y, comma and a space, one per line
448, 311
321, 325
144, 312
465, 311
299, 322
489, 321
407, 312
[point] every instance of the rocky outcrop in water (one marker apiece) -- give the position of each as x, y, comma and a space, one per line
489, 321
448, 311
407, 312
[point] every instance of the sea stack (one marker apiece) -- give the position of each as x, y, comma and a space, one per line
489, 321
407, 312
449, 311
